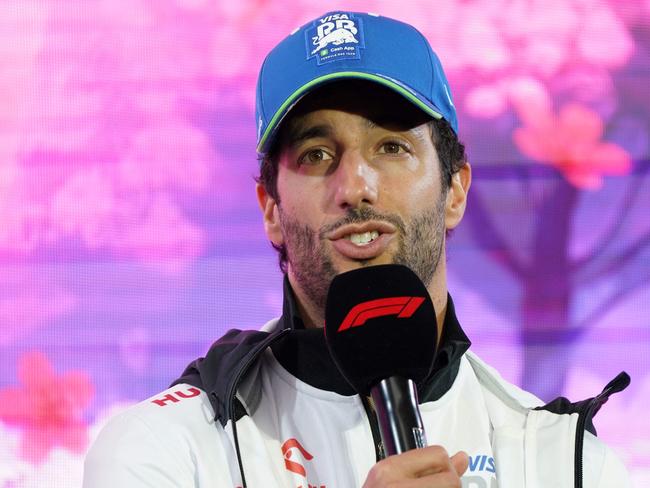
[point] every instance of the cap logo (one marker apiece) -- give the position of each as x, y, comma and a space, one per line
335, 37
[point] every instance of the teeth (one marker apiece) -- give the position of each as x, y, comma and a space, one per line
364, 238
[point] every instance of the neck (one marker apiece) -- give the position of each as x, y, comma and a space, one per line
313, 317
311, 323
439, 299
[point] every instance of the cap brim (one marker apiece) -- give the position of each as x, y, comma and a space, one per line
284, 109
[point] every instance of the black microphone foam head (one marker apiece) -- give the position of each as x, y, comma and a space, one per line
380, 322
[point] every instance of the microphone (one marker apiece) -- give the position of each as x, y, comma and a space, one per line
380, 328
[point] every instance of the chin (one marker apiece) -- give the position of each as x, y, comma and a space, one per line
349, 264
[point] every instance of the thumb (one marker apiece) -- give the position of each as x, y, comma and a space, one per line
460, 461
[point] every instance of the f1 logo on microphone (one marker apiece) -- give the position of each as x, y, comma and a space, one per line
403, 307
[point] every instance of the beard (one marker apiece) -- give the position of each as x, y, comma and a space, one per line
420, 243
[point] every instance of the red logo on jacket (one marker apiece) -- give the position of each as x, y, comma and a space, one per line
287, 452
293, 466
176, 397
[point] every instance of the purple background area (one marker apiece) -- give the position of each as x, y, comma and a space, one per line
131, 238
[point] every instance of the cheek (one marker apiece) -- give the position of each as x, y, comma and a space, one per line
424, 189
296, 207
416, 177
293, 198
412, 191
301, 197
428, 188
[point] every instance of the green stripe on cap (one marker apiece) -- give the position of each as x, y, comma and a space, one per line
277, 117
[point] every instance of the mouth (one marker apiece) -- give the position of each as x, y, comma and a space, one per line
362, 241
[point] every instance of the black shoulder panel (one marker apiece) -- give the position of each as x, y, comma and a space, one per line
219, 372
590, 406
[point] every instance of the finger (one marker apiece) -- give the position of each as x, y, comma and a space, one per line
446, 479
419, 462
460, 462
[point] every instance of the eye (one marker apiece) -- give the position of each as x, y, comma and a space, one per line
314, 156
393, 147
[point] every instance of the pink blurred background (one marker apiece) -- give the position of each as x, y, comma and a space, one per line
130, 237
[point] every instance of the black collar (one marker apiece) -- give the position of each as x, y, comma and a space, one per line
304, 354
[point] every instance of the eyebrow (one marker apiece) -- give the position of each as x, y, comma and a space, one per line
323, 130
309, 133
370, 124
387, 124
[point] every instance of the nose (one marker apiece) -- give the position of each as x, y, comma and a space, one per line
355, 182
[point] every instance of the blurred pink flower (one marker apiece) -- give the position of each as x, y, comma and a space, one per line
486, 101
571, 142
172, 155
88, 158
47, 407
542, 40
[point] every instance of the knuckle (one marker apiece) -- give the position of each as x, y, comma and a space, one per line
379, 473
455, 481
439, 452
452, 480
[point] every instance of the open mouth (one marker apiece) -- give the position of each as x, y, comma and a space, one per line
362, 239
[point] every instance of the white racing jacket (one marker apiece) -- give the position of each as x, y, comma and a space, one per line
240, 418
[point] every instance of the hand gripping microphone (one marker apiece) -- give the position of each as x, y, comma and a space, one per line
380, 328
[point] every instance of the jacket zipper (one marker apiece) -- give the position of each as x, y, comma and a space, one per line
369, 406
586, 412
233, 389
583, 415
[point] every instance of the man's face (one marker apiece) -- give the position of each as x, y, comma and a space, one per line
359, 184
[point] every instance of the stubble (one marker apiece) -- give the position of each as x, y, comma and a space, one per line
419, 247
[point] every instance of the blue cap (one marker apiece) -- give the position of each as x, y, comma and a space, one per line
349, 45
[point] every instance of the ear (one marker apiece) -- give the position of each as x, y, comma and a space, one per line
457, 196
270, 214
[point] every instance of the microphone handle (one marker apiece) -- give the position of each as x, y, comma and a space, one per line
400, 424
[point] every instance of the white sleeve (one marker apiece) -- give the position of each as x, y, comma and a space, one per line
128, 452
602, 468
614, 473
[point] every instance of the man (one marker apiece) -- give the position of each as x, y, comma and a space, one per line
361, 165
